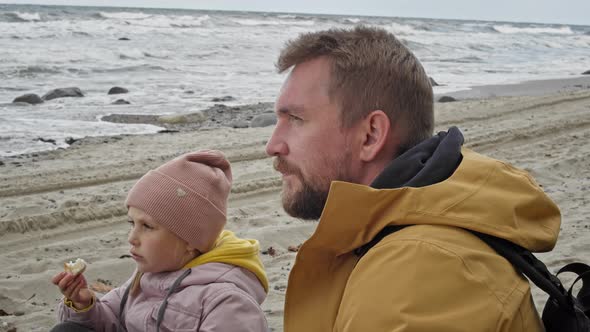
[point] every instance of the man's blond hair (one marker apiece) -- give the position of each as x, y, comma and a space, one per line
371, 70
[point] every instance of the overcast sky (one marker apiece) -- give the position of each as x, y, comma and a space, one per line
545, 11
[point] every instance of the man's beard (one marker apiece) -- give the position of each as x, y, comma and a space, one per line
308, 202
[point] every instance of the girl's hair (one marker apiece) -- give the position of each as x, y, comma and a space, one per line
135, 284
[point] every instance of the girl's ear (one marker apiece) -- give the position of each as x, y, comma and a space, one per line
193, 251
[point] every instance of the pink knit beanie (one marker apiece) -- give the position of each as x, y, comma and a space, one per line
188, 196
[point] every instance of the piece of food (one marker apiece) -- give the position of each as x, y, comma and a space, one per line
75, 267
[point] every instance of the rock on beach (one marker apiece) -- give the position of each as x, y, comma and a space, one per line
446, 99
264, 120
29, 98
63, 92
117, 90
121, 102
223, 99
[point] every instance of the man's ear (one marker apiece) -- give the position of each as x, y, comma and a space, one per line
375, 130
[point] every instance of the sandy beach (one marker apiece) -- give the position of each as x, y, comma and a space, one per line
68, 203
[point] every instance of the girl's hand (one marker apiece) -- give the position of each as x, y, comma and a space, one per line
74, 288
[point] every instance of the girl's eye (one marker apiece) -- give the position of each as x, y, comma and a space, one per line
130, 222
148, 226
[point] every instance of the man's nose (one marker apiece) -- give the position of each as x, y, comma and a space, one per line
276, 145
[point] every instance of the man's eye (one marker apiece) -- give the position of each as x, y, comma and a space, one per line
294, 118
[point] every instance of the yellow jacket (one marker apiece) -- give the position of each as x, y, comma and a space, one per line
434, 276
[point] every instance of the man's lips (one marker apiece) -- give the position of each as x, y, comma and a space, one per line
285, 172
282, 171
286, 176
282, 167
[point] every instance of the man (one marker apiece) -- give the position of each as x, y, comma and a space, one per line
354, 144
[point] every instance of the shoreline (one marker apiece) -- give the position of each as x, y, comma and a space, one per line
63, 204
525, 88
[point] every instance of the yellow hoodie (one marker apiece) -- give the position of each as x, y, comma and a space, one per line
434, 276
230, 249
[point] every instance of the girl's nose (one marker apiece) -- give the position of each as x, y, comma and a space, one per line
132, 237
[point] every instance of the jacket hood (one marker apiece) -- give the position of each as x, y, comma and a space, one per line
440, 183
232, 260
230, 249
432, 161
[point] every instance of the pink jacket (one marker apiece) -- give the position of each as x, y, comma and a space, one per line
213, 297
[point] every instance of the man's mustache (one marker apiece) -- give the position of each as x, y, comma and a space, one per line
280, 165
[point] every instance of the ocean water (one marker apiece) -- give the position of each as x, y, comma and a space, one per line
176, 61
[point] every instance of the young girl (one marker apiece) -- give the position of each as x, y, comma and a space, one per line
191, 275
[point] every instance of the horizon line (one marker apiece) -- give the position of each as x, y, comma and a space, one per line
283, 12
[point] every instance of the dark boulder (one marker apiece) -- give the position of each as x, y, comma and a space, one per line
446, 99
46, 140
587, 72
433, 82
124, 38
224, 98
29, 98
121, 102
264, 120
117, 90
63, 92
70, 140
239, 124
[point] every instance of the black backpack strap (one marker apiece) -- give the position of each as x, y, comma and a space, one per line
522, 259
361, 251
563, 311
526, 263
583, 272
